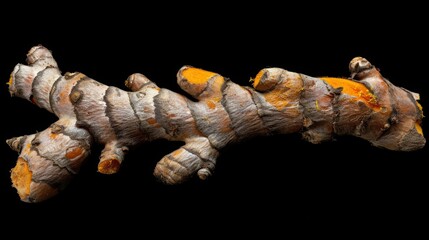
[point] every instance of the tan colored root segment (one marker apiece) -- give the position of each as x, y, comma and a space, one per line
40, 192
110, 166
21, 178
358, 90
197, 76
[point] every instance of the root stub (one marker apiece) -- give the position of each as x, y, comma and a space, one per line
21, 178
110, 166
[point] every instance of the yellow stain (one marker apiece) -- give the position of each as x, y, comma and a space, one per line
27, 149
176, 153
277, 98
285, 94
10, 82
356, 89
197, 76
210, 104
53, 135
419, 129
258, 77
421, 108
21, 178
317, 106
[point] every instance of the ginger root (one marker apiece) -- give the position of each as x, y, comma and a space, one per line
366, 105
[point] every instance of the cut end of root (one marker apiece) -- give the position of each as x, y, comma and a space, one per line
136, 81
359, 64
257, 78
268, 78
204, 173
196, 75
110, 166
16, 143
21, 178
356, 89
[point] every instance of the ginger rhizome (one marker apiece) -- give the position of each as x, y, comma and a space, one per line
367, 106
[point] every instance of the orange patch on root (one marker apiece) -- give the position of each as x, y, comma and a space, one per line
196, 75
420, 108
27, 149
356, 89
177, 152
110, 166
277, 98
21, 178
419, 129
74, 153
151, 121
64, 96
10, 82
257, 78
211, 104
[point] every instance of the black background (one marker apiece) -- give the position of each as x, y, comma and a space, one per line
271, 185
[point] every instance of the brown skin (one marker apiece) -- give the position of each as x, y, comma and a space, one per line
280, 102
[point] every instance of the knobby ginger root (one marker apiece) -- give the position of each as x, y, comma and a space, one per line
281, 102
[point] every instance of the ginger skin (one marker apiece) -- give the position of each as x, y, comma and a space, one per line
366, 105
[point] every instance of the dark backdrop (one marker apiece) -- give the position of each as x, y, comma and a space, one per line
280, 181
